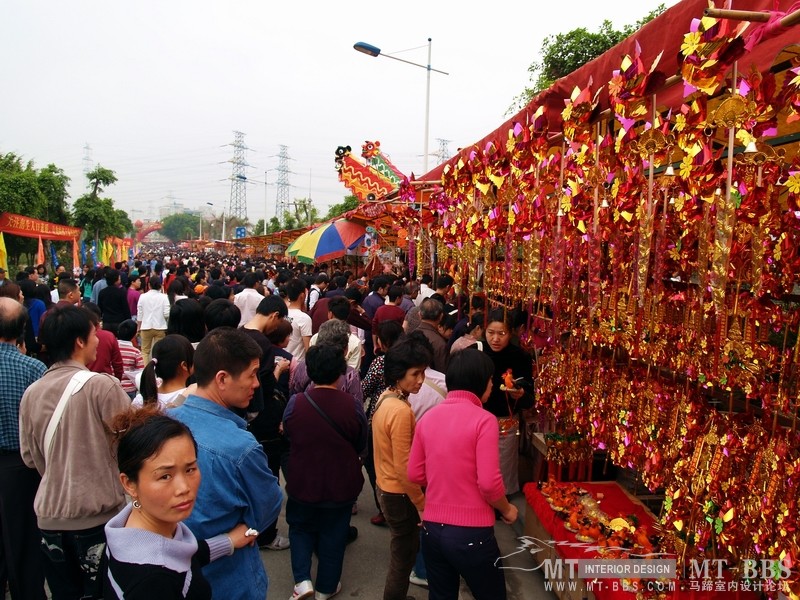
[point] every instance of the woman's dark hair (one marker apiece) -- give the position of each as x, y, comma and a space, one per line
325, 363
176, 288
141, 434
282, 331
469, 370
388, 333
475, 321
62, 328
28, 287
501, 315
410, 351
448, 321
168, 352
222, 313
186, 318
224, 349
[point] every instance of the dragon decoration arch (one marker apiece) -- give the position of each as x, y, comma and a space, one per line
371, 180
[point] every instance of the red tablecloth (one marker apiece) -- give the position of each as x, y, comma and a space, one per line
615, 503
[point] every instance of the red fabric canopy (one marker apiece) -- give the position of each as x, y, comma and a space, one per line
664, 33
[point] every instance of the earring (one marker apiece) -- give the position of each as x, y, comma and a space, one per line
137, 504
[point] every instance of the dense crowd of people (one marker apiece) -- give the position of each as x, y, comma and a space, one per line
149, 409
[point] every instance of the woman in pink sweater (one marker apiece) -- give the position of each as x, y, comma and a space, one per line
454, 456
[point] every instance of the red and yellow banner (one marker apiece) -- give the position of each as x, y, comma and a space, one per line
27, 227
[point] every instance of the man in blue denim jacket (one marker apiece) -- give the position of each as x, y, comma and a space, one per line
238, 485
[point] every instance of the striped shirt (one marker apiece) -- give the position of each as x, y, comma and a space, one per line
132, 361
19, 371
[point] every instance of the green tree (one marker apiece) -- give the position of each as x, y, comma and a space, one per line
305, 212
95, 215
39, 194
563, 53
123, 225
259, 227
349, 203
98, 215
53, 183
177, 226
99, 178
274, 225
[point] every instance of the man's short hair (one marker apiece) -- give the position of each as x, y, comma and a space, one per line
111, 276
126, 330
295, 287
216, 291
380, 282
426, 279
325, 363
339, 306
224, 349
321, 278
431, 310
273, 304
222, 313
412, 287
13, 317
477, 302
62, 327
250, 280
353, 293
65, 286
444, 281
395, 292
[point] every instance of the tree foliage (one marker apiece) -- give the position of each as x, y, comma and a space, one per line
100, 178
305, 213
98, 215
175, 227
563, 53
41, 194
349, 203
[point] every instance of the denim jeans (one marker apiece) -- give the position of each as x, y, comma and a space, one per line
72, 562
420, 570
403, 520
321, 530
470, 552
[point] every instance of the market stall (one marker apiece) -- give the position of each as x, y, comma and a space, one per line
645, 213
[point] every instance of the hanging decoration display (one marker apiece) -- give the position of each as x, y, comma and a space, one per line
656, 251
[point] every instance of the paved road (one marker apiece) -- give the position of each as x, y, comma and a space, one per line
367, 558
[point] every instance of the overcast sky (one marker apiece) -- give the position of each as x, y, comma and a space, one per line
156, 89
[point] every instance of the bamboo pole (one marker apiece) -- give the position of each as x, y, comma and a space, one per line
754, 16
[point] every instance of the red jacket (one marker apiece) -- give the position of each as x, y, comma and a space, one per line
109, 359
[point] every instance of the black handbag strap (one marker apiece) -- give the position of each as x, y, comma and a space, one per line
325, 416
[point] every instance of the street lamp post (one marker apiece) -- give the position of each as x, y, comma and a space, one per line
371, 50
